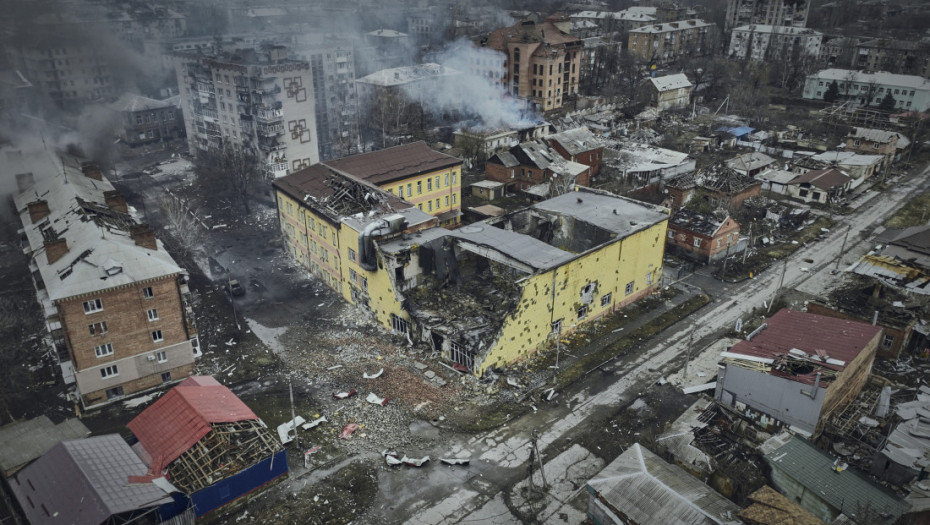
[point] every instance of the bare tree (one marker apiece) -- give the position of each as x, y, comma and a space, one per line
178, 213
228, 170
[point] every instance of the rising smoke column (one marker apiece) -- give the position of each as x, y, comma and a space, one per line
473, 93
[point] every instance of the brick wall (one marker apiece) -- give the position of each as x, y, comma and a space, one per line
139, 384
899, 336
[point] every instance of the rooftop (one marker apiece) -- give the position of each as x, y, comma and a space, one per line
393, 164
672, 26
398, 76
873, 135
819, 342
847, 490
530, 32
750, 161
131, 102
776, 176
824, 179
101, 253
576, 141
783, 30
24, 441
646, 489
881, 78
670, 82
619, 215
847, 158
686, 219
85, 481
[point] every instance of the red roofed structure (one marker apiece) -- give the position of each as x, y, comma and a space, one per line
208, 443
830, 357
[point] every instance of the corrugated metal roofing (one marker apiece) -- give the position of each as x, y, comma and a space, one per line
845, 491
84, 481
182, 417
620, 215
823, 179
521, 248
576, 141
669, 82
787, 329
648, 490
391, 164
24, 441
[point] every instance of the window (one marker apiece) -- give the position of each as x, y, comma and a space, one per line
399, 324
109, 371
103, 350
875, 145
400, 190
437, 204
352, 256
409, 189
429, 184
161, 357
648, 277
437, 182
605, 299
429, 206
629, 288
697, 243
156, 336
888, 341
453, 198
114, 392
147, 292
447, 179
419, 187
557, 327
353, 275
98, 328
93, 306
165, 377
453, 177
364, 283
447, 200
583, 312
153, 314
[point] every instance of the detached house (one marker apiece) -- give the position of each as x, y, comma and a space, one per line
820, 186
535, 164
117, 306
579, 145
668, 92
702, 237
874, 142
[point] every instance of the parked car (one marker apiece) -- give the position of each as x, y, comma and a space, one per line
235, 288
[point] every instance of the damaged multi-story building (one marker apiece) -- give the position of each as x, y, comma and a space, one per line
487, 294
117, 306
256, 99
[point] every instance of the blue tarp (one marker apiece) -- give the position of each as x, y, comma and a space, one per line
240, 484
738, 131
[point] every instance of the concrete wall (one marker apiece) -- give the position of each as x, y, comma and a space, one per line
776, 396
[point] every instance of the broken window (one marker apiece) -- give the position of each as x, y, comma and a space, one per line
152, 314
605, 300
400, 325
352, 255
888, 341
458, 354
557, 327
583, 312
648, 277
629, 288
587, 293
98, 328
697, 243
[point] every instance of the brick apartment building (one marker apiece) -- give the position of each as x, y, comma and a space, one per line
118, 309
140, 120
543, 60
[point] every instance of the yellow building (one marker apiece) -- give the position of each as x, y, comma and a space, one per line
414, 172
490, 293
484, 295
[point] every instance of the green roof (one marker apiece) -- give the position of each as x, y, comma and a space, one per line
847, 490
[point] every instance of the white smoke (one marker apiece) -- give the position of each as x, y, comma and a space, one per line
477, 93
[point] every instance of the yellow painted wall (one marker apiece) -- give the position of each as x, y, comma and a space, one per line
613, 267
310, 240
423, 190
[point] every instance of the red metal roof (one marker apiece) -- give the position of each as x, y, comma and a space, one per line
183, 416
813, 334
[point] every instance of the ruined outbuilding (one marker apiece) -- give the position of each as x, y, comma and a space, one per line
703, 237
721, 186
209, 443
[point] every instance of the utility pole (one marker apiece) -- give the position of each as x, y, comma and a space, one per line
842, 249
290, 387
746, 250
780, 283
684, 373
558, 346
542, 473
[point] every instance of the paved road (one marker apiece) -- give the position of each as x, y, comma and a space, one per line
499, 457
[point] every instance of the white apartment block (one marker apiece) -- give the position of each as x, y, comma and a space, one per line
762, 42
259, 99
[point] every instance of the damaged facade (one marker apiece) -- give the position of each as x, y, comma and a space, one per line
797, 369
723, 187
537, 168
487, 294
117, 306
705, 238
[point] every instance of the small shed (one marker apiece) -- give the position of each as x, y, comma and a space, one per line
488, 190
25, 441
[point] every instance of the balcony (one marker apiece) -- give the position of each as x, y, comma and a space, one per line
269, 115
270, 130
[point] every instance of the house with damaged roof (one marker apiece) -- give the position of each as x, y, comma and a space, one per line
117, 306
719, 184
797, 369
208, 443
703, 237
484, 295
537, 168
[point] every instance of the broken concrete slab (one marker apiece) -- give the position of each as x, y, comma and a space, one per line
429, 374
419, 366
440, 381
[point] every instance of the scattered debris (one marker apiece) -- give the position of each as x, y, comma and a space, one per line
344, 395
366, 375
348, 430
449, 461
316, 422
287, 430
390, 457
550, 393
415, 462
334, 367
514, 383
375, 400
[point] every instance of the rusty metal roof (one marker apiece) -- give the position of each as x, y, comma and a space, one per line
392, 164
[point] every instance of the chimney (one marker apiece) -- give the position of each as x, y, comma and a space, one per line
55, 249
143, 236
116, 201
92, 170
24, 181
38, 210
